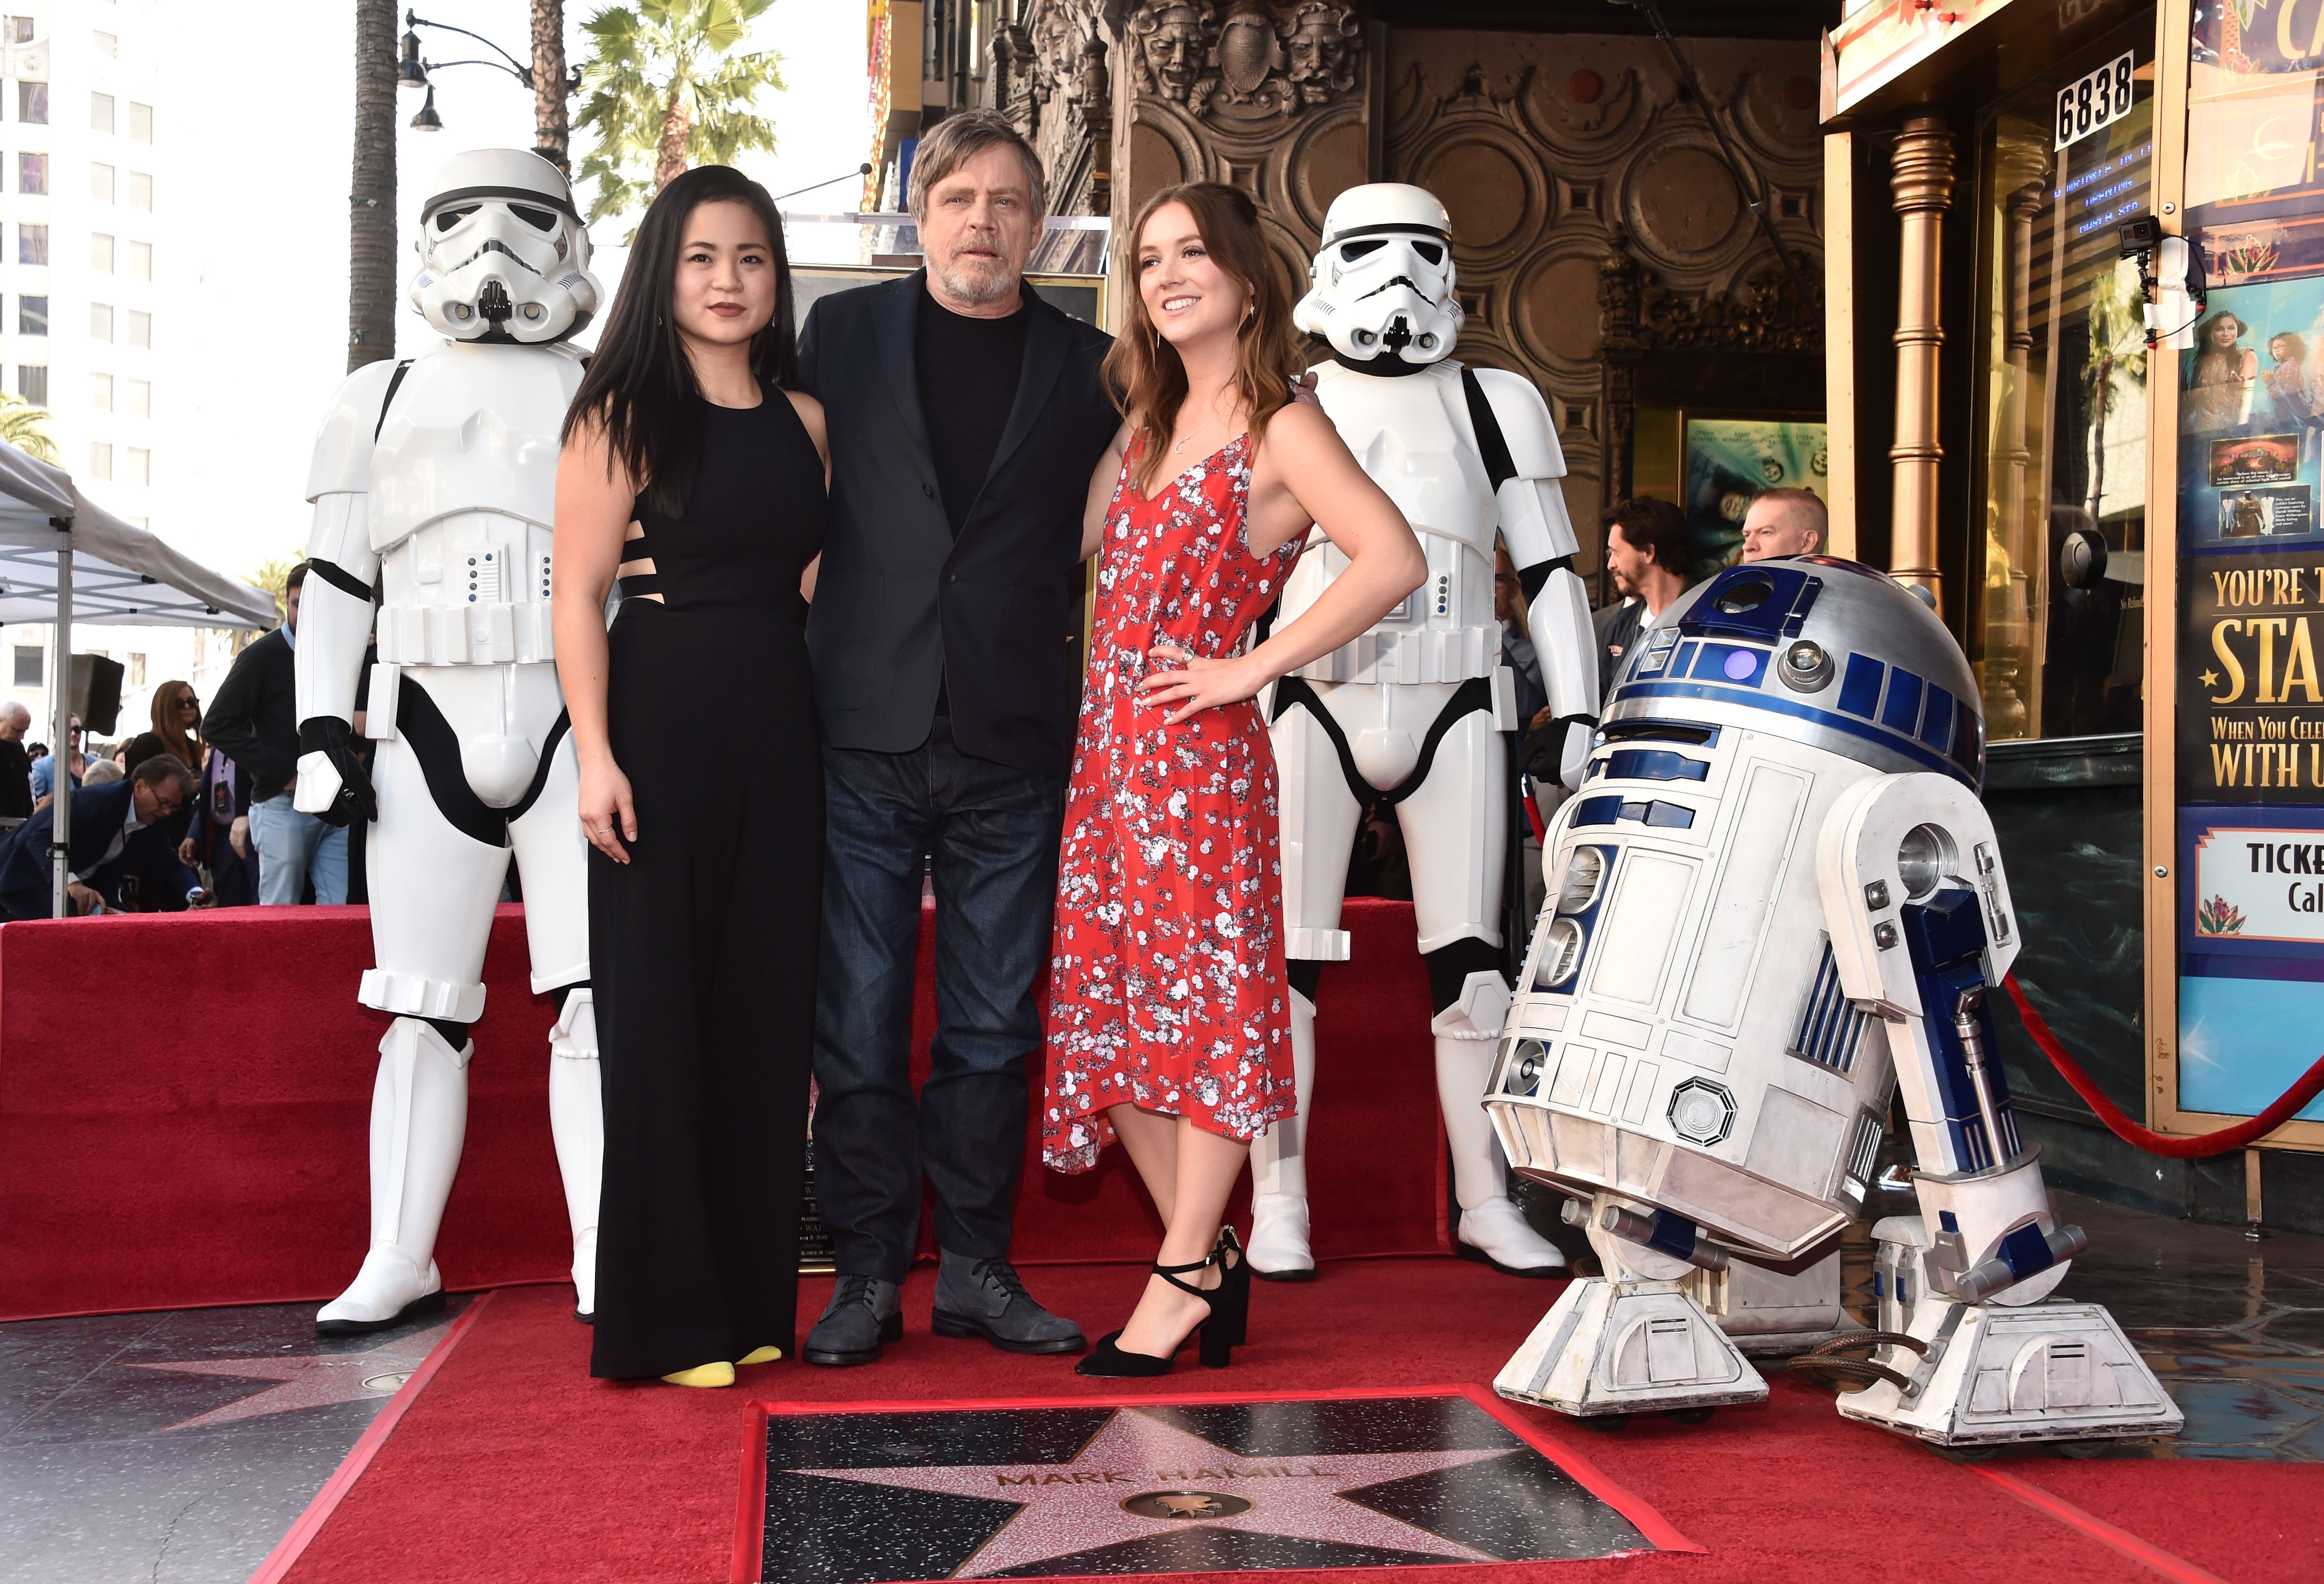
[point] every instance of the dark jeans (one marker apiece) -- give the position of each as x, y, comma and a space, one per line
989, 834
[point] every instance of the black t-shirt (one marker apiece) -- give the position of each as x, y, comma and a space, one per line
968, 373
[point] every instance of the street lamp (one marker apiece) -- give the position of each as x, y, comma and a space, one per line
411, 71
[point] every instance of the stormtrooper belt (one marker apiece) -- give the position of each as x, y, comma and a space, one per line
436, 746
1472, 695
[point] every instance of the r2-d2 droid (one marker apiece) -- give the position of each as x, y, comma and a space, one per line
1414, 708
1775, 897
433, 482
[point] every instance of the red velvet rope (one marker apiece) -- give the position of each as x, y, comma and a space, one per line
2163, 1144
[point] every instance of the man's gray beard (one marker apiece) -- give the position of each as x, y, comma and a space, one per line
971, 289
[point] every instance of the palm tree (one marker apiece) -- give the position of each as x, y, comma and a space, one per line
664, 94
26, 426
551, 133
371, 240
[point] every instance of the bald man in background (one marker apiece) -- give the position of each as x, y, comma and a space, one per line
1784, 522
15, 770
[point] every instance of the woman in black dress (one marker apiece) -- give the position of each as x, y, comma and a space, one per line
693, 471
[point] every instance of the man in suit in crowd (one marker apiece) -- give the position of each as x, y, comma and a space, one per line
15, 770
965, 416
119, 829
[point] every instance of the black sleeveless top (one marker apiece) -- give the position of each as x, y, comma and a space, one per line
755, 518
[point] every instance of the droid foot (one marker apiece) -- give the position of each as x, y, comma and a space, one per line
388, 1290
1497, 1233
1988, 1373
1611, 1348
1279, 1249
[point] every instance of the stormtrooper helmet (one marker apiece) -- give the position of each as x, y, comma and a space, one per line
503, 253
1383, 280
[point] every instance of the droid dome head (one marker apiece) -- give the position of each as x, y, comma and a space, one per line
1827, 652
1382, 292
503, 253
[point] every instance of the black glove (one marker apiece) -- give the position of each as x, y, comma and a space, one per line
1542, 754
328, 734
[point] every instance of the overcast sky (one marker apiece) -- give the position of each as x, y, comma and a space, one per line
264, 160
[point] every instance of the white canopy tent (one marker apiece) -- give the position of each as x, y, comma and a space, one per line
65, 559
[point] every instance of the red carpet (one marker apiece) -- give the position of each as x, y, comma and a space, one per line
183, 1102
512, 1466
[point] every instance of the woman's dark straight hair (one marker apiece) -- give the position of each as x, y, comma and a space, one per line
639, 384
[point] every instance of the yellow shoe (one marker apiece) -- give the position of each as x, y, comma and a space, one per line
717, 1373
767, 1355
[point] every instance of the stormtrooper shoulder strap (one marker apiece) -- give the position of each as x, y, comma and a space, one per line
403, 367
1492, 447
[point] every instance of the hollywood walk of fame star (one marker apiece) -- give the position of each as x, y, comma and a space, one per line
312, 1380
1077, 1506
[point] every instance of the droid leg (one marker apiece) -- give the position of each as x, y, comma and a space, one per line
1972, 1348
1455, 827
1319, 829
1634, 1340
1774, 1312
552, 857
432, 889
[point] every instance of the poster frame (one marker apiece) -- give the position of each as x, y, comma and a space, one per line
2173, 50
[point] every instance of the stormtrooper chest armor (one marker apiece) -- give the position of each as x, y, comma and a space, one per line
1411, 434
461, 495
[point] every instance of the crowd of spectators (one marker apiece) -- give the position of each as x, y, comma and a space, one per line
194, 811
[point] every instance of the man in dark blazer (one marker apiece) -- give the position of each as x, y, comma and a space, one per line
119, 829
965, 415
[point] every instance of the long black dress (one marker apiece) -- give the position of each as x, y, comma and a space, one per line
703, 947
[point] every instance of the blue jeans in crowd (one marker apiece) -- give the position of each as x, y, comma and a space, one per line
291, 846
987, 836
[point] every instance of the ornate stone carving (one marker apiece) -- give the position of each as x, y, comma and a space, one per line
1051, 79
1640, 314
1323, 39
1014, 76
1171, 48
1245, 61
1269, 96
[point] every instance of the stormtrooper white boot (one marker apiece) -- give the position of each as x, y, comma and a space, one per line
577, 1122
1493, 1229
1278, 1250
419, 1117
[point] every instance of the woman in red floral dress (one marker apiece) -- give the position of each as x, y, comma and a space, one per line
1168, 1018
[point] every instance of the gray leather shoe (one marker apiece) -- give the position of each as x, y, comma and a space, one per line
983, 1298
864, 1314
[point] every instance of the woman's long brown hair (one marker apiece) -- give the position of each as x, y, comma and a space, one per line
186, 745
1142, 371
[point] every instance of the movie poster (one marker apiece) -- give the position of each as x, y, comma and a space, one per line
2250, 712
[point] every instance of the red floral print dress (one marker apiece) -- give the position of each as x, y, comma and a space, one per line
1166, 985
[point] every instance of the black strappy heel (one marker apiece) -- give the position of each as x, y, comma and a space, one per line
1109, 1359
1231, 1304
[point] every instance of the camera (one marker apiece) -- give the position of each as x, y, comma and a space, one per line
2139, 236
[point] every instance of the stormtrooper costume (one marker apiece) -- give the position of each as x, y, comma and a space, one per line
1416, 707
433, 482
